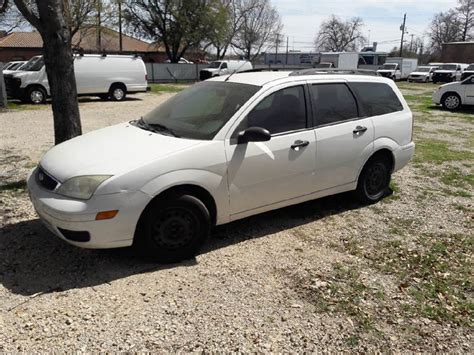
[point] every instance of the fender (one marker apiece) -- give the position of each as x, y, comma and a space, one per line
379, 144
214, 183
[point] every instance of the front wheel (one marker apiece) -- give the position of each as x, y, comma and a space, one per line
173, 228
118, 92
374, 181
36, 95
451, 101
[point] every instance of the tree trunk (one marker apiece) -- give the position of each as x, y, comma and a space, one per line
3, 94
59, 62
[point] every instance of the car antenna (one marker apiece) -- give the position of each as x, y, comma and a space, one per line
230, 76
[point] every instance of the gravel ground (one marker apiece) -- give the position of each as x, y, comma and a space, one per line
304, 278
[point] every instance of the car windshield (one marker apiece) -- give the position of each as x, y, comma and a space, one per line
34, 64
423, 69
215, 65
447, 67
470, 67
389, 66
200, 111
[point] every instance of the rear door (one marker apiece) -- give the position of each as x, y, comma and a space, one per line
469, 90
344, 140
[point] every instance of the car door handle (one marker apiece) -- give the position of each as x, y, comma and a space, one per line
360, 129
299, 144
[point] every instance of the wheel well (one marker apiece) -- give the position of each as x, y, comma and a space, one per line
450, 93
36, 86
202, 194
118, 84
386, 155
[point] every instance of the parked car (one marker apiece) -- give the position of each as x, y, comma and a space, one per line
224, 67
449, 72
422, 74
219, 151
468, 72
453, 95
106, 76
182, 60
13, 65
13, 68
397, 68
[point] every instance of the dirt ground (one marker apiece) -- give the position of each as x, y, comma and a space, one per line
327, 275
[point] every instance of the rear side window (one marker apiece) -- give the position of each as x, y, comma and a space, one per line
333, 103
377, 98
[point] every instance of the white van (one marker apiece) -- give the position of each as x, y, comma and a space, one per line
106, 76
224, 67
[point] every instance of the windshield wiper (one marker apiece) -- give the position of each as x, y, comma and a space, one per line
155, 127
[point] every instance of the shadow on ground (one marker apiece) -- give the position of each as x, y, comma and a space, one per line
33, 260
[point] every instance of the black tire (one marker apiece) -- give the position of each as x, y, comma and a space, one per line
374, 181
118, 92
451, 101
172, 215
36, 95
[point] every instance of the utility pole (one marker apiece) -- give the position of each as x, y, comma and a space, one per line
276, 48
287, 44
120, 25
402, 28
411, 42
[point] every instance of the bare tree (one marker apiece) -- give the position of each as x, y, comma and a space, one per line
465, 12
53, 21
335, 35
445, 27
259, 28
177, 24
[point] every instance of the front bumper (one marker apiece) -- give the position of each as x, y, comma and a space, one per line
61, 213
437, 97
443, 78
420, 78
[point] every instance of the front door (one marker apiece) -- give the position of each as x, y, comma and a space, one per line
261, 174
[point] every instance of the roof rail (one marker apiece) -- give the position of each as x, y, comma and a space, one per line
258, 70
321, 71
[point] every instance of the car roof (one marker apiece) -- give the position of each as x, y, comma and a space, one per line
278, 77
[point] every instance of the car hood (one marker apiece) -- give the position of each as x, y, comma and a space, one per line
211, 70
420, 73
449, 85
110, 151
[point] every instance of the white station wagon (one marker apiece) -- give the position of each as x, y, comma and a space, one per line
223, 150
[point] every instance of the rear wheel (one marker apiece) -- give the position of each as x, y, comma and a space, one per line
173, 228
451, 101
374, 180
118, 92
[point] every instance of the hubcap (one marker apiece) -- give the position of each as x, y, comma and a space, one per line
118, 94
36, 97
174, 228
451, 102
376, 180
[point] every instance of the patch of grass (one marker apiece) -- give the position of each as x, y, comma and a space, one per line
437, 274
14, 105
15, 185
455, 178
436, 151
167, 88
463, 208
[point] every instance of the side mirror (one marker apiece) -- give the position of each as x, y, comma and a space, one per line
254, 134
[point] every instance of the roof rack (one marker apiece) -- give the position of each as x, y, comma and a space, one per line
320, 71
258, 70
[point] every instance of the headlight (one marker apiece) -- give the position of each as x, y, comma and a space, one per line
82, 187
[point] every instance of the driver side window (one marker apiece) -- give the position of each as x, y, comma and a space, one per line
282, 111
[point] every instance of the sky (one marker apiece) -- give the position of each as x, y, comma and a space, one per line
382, 18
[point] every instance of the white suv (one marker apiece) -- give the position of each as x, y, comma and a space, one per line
223, 150
453, 95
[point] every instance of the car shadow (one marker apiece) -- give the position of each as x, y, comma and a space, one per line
463, 109
33, 261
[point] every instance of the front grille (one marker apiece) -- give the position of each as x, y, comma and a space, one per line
12, 85
386, 75
204, 75
443, 77
45, 180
